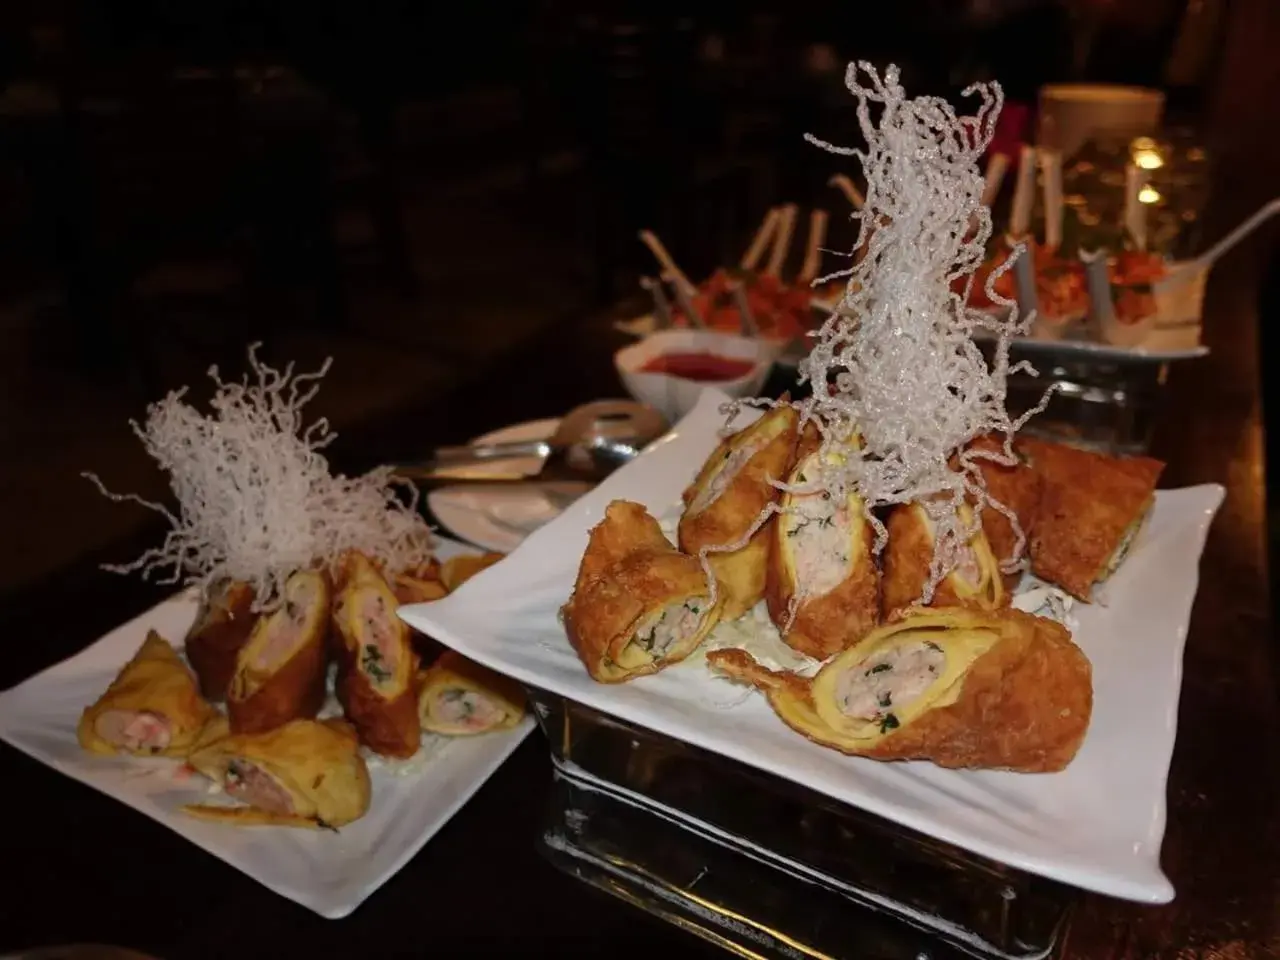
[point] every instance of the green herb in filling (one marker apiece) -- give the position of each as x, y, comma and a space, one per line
888, 722
373, 665
879, 668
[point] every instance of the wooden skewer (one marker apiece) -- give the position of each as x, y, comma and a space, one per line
845, 186
1024, 192
685, 300
751, 259
813, 249
746, 319
782, 240
661, 306
664, 259
1051, 171
997, 167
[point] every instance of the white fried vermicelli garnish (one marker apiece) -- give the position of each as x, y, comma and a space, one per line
907, 376
256, 500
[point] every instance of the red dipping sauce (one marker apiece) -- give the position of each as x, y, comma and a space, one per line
703, 367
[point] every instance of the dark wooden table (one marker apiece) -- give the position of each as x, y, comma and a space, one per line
82, 868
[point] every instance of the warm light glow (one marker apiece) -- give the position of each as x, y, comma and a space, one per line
1148, 160
1148, 194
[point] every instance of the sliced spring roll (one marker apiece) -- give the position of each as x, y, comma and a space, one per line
1018, 488
280, 672
376, 665
222, 627
152, 708
638, 604
456, 571
821, 558
975, 582
458, 697
732, 489
958, 687
1091, 509
307, 773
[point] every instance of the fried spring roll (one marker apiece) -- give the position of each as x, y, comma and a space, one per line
458, 697
638, 604
1091, 509
152, 707
975, 582
1018, 488
306, 773
222, 627
456, 571
731, 490
280, 672
376, 665
821, 558
960, 688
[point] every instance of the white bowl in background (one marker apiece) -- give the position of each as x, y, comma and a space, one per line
675, 396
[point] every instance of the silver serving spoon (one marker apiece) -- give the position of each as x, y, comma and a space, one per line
593, 439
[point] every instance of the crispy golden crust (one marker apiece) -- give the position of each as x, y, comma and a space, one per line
456, 571
317, 763
222, 627
155, 680
1087, 505
456, 671
1018, 488
906, 568
838, 619
626, 528
412, 590
602, 617
1024, 704
296, 688
730, 515
385, 715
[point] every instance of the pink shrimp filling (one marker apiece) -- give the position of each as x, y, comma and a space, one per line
467, 709
134, 730
379, 652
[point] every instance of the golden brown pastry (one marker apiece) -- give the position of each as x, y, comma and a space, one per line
307, 773
820, 556
1091, 509
975, 582
731, 490
456, 571
222, 627
410, 589
638, 603
376, 664
280, 672
151, 708
1018, 488
458, 697
958, 687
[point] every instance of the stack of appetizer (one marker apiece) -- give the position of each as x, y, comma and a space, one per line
964, 680
299, 571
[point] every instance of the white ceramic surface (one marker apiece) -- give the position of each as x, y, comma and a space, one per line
1097, 825
330, 873
672, 396
499, 517
516, 433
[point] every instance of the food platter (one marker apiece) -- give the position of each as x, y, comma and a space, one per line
1097, 825
325, 871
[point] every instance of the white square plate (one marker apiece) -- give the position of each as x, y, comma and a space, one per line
1097, 825
330, 873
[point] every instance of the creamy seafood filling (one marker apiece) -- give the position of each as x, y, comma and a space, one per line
287, 626
820, 531
734, 461
134, 730
875, 689
468, 709
251, 784
671, 627
378, 649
